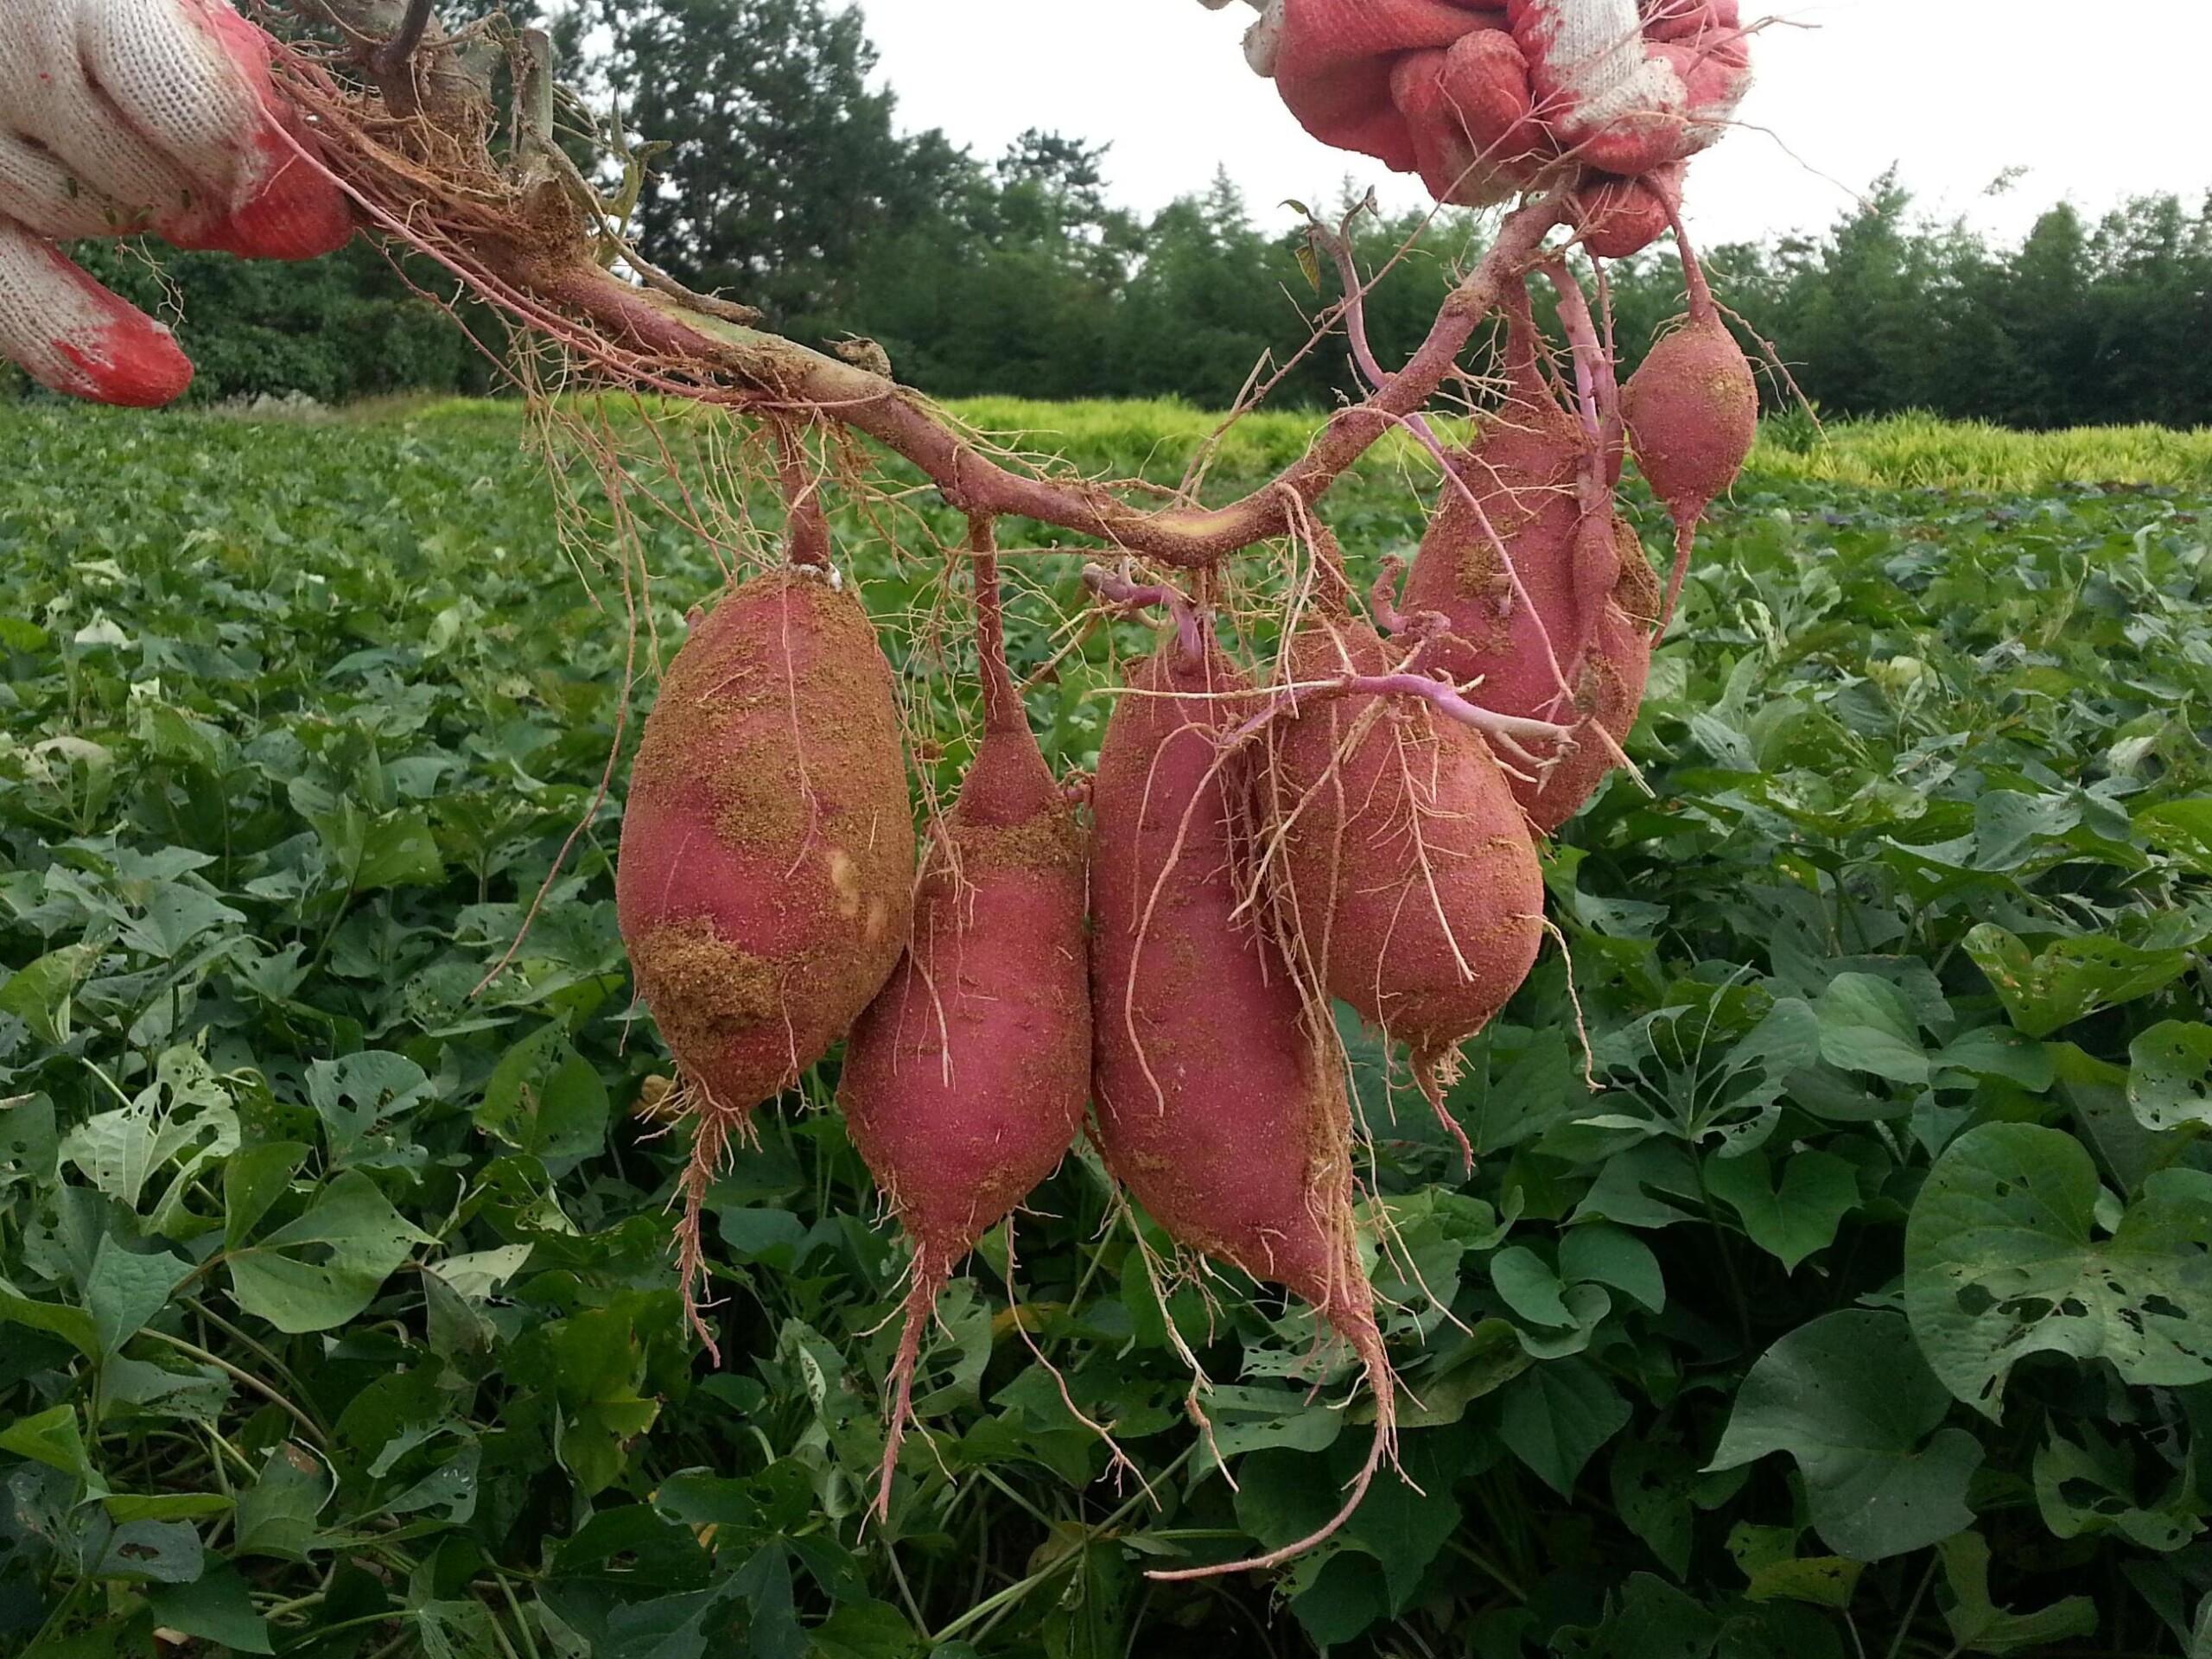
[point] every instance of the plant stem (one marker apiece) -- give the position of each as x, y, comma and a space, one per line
1475, 1558
245, 1378
514, 1607
1052, 1569
1912, 1607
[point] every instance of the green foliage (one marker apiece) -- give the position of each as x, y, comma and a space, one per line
1861, 1308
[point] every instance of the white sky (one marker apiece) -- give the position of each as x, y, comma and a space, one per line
2097, 104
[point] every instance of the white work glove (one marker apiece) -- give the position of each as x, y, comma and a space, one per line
1484, 99
122, 118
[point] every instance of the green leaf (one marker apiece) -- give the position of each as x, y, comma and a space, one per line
53, 1438
1656, 1621
764, 1581
215, 1608
127, 1290
864, 1629
1606, 1256
2095, 1095
2169, 1076
1587, 1306
73, 1325
1537, 1091
2070, 979
1256, 1419
1818, 1191
254, 1178
173, 916
1468, 1366
1848, 1399
277, 1515
152, 1551
399, 851
1529, 1287
2002, 1260
183, 1119
1768, 1559
2182, 829
361, 1093
1651, 1480
2008, 823
1556, 1417
477, 1275
2086, 1488
1999, 1052
546, 1100
165, 1506
1867, 1026
1089, 1619
1980, 1626
318, 1272
1401, 1524
42, 994
599, 1371
1653, 1185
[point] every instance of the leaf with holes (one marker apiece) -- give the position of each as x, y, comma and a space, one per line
2002, 1260
1981, 1626
2170, 1076
2069, 980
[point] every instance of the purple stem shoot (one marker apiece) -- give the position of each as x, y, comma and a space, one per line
1124, 595
1509, 732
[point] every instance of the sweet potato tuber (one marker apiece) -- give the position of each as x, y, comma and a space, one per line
964, 1082
1218, 1086
1693, 415
1411, 880
766, 871
1570, 641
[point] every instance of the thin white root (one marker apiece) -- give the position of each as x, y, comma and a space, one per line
1381, 1378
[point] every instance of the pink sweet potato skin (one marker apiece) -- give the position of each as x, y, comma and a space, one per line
1411, 878
964, 1082
1608, 694
1217, 1103
1693, 415
1526, 470
766, 881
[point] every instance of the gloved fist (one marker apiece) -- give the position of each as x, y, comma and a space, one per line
120, 117
1484, 99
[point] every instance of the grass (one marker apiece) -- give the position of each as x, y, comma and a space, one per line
1159, 437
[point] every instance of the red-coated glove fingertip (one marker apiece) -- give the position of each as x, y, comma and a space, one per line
132, 364
1472, 117
73, 336
1335, 62
296, 210
298, 213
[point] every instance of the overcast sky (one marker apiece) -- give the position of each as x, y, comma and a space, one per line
2095, 103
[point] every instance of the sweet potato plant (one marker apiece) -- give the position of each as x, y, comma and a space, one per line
1807, 1249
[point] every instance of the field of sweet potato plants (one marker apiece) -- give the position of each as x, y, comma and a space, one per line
1846, 1297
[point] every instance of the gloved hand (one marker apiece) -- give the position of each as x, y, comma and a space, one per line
1484, 99
120, 117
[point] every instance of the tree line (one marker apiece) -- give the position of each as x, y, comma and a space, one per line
780, 177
